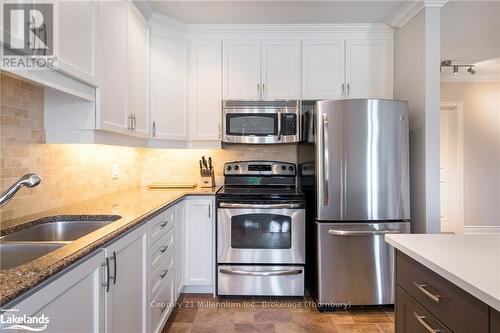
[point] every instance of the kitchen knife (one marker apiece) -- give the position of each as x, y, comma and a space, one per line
204, 162
209, 163
201, 166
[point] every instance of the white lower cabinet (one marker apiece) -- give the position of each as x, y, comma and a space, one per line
132, 284
74, 302
199, 230
127, 278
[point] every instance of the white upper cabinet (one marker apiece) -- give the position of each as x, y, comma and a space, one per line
368, 68
169, 87
138, 70
323, 69
112, 91
241, 69
77, 39
206, 90
280, 69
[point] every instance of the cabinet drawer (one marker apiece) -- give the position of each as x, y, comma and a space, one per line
161, 250
160, 224
412, 317
161, 306
441, 297
162, 273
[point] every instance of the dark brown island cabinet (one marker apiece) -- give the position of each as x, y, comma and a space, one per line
428, 303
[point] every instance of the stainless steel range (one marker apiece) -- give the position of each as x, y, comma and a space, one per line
260, 230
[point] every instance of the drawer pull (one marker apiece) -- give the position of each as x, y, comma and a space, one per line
422, 287
163, 224
163, 308
163, 273
163, 248
421, 320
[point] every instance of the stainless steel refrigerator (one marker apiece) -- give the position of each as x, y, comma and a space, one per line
354, 168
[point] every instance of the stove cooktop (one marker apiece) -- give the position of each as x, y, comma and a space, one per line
258, 193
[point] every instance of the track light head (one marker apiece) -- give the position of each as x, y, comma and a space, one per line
455, 69
470, 70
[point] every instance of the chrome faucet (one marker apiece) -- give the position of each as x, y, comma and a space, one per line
29, 180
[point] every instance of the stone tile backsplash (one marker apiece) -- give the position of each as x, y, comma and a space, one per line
72, 173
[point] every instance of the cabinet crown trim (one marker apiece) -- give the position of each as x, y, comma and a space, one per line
269, 28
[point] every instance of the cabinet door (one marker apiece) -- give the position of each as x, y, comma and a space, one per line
179, 249
74, 302
77, 39
241, 70
206, 94
199, 241
138, 69
368, 68
126, 299
168, 95
323, 69
113, 76
280, 69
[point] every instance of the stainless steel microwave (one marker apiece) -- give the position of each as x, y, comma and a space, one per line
260, 122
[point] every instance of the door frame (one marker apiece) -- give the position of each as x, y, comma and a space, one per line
458, 107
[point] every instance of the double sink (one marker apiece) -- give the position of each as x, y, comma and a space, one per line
28, 244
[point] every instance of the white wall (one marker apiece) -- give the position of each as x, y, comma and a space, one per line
481, 149
416, 79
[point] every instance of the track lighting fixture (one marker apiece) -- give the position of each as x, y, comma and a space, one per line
456, 66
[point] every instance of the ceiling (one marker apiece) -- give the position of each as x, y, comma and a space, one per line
470, 30
277, 12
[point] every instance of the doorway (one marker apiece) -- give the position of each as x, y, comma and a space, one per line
451, 167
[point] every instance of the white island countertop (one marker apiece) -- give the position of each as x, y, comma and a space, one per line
472, 262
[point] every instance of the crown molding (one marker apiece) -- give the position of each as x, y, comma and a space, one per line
406, 13
297, 28
267, 28
145, 8
435, 3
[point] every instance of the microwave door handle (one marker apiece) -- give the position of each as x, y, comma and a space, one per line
279, 124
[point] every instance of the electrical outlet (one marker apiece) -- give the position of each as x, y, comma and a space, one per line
115, 171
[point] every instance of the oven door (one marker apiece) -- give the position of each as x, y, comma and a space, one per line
251, 234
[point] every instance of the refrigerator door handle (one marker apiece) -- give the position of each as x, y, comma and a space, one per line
325, 160
362, 233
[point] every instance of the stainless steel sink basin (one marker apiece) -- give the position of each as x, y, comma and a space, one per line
38, 240
61, 231
16, 254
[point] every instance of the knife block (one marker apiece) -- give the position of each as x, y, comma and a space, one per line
207, 179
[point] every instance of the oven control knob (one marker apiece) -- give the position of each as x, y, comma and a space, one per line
236, 167
228, 168
283, 168
290, 168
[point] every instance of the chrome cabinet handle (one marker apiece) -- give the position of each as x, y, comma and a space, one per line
129, 123
134, 122
343, 89
326, 161
238, 205
154, 129
260, 273
113, 277
421, 320
258, 89
163, 224
163, 273
422, 287
163, 248
263, 90
106, 265
163, 309
348, 90
362, 232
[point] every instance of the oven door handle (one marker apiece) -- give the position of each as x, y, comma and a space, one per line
240, 205
260, 273
363, 232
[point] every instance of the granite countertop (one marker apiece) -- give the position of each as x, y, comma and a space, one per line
134, 206
472, 262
